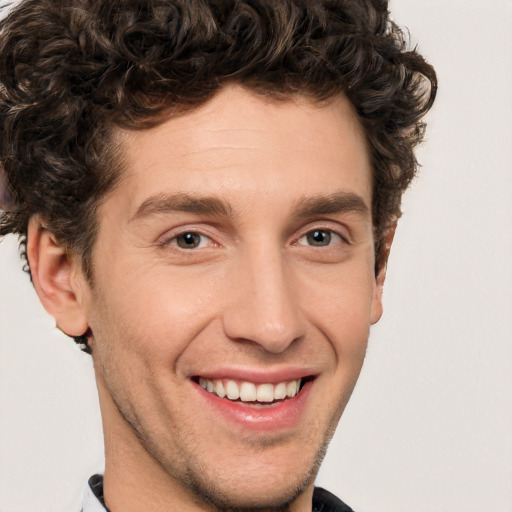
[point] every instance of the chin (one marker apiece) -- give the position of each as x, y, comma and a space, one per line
250, 495
270, 481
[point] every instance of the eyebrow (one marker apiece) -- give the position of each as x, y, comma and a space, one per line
180, 202
338, 202
322, 204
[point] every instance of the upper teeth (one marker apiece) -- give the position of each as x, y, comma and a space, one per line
250, 392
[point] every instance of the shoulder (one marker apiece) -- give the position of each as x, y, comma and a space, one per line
324, 501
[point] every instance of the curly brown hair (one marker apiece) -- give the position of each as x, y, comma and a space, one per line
72, 71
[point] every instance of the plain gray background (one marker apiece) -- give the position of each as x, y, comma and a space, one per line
429, 427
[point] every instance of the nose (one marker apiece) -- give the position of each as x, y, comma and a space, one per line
263, 302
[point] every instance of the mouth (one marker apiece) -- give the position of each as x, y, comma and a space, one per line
252, 394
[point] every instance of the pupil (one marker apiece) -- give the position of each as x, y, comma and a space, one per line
188, 240
319, 237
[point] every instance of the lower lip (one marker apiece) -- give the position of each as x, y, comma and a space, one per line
285, 415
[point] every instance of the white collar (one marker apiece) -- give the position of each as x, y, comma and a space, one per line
90, 503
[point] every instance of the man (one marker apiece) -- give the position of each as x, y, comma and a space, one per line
208, 191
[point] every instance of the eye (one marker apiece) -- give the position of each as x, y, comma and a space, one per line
320, 238
190, 240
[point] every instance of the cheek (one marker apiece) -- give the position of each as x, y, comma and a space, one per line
340, 304
152, 315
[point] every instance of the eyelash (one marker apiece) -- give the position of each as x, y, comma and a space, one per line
325, 231
173, 240
206, 240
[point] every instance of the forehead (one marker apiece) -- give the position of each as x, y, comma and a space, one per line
252, 145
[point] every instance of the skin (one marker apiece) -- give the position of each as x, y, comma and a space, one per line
255, 295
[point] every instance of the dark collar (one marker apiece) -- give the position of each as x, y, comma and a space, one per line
96, 485
323, 501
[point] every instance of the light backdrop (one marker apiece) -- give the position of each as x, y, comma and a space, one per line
429, 427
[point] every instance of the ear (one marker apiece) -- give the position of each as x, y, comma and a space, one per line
57, 278
376, 310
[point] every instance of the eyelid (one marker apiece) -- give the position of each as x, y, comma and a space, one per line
170, 236
332, 241
344, 234
204, 238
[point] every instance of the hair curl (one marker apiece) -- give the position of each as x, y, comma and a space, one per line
72, 71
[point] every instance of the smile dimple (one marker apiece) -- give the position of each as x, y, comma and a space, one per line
249, 392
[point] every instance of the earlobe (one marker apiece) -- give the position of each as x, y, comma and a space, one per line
54, 274
377, 308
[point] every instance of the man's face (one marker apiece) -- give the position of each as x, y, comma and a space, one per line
235, 255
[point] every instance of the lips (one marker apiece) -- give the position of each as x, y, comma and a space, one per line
251, 392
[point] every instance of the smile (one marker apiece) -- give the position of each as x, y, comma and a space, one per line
250, 392
255, 401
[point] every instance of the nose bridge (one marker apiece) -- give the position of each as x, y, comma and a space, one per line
263, 308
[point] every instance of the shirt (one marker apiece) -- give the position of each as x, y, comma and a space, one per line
323, 501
